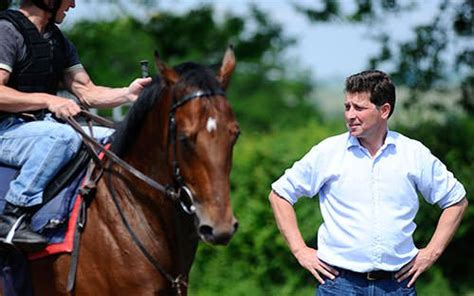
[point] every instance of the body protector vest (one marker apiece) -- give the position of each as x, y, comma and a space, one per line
44, 66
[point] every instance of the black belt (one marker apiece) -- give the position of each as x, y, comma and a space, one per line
374, 275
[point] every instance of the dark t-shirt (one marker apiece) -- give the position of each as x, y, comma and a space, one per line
13, 49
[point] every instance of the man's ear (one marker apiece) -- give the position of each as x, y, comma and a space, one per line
385, 110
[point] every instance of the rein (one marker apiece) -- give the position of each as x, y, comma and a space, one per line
92, 142
175, 281
174, 192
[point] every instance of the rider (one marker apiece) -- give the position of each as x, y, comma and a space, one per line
35, 58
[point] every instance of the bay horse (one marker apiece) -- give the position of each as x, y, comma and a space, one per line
180, 132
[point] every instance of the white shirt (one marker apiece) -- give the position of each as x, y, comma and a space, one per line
369, 203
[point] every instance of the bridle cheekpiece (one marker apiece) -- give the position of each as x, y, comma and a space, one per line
179, 187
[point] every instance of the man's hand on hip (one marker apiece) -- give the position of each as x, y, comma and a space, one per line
308, 258
422, 261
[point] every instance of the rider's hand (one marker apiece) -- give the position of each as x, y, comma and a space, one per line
62, 107
308, 258
136, 87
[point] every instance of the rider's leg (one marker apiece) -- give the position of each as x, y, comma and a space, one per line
41, 149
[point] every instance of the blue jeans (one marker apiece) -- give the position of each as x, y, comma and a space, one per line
349, 284
40, 149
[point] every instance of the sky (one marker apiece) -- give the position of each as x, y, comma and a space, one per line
329, 51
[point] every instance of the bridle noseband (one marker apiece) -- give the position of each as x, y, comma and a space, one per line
179, 187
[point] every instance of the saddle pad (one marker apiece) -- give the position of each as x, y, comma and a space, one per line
51, 219
66, 245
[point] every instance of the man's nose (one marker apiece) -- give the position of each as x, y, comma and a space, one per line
350, 113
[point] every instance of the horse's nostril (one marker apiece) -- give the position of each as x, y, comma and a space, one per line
205, 230
236, 226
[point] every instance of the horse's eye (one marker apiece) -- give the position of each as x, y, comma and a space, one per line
185, 140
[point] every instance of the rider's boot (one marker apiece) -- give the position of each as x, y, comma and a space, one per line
16, 231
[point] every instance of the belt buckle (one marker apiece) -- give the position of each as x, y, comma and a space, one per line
370, 276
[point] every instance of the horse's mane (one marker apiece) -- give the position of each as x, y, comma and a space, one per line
191, 74
127, 129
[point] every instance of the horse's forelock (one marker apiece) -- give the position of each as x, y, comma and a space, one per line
197, 75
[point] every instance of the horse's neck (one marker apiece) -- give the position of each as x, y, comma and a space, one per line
149, 151
163, 223
163, 229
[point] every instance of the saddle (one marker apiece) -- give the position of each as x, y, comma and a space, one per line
58, 199
62, 215
61, 219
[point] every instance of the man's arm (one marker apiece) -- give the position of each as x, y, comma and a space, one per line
448, 223
80, 84
15, 101
287, 223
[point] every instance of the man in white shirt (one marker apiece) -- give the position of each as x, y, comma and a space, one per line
368, 181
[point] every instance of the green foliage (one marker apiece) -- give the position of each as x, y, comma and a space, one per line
261, 80
196, 35
428, 60
364, 11
439, 54
434, 283
111, 51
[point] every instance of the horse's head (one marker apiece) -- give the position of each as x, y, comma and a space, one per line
202, 133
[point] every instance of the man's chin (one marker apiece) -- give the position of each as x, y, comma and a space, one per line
59, 19
354, 132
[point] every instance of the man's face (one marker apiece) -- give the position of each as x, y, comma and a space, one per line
65, 5
363, 118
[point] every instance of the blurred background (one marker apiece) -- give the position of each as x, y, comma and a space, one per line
287, 93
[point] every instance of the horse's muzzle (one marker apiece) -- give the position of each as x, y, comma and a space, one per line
218, 235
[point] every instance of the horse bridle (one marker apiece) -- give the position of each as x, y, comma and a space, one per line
174, 192
179, 184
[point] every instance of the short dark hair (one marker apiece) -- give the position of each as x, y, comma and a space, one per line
378, 84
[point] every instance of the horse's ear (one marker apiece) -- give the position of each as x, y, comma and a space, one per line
227, 67
169, 75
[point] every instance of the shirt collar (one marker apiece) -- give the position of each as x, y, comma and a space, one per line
390, 140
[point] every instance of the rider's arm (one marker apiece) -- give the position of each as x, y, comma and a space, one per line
15, 101
80, 84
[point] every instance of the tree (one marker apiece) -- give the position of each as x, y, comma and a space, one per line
111, 51
425, 62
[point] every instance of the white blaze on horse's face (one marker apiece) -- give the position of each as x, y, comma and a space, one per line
211, 124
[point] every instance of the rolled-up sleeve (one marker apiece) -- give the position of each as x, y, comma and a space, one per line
299, 180
438, 185
72, 61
